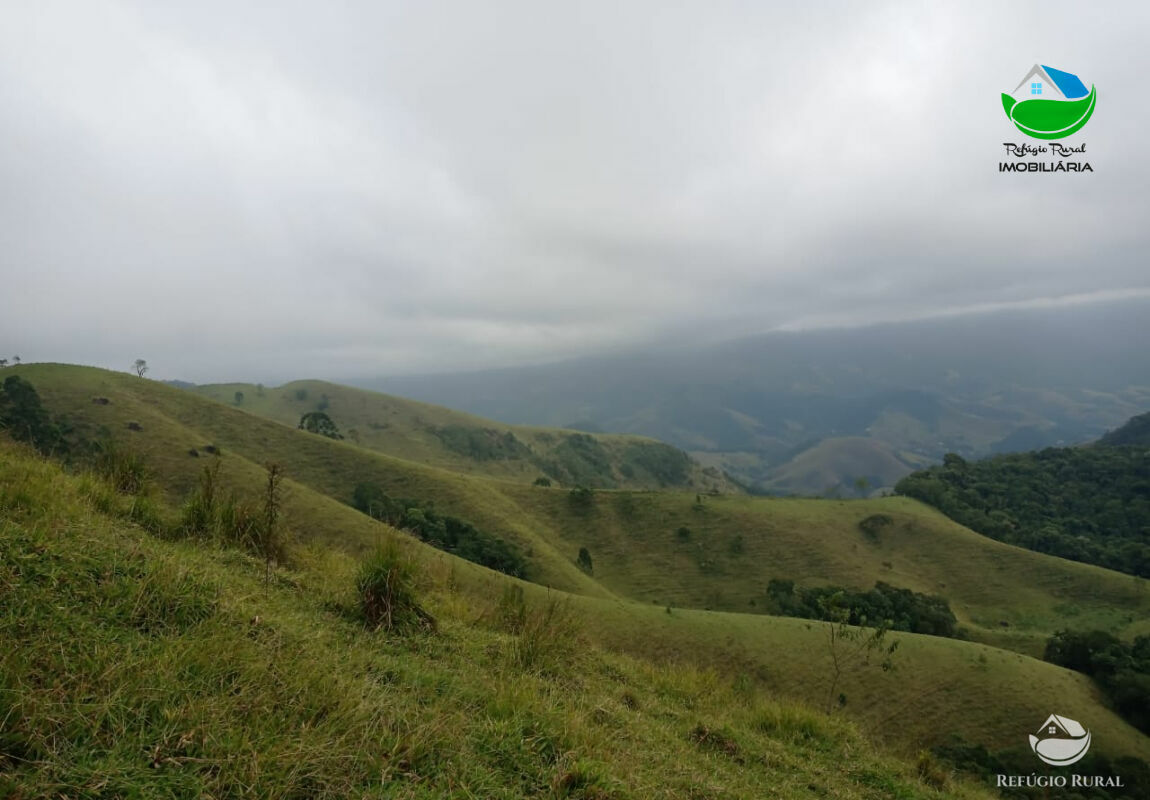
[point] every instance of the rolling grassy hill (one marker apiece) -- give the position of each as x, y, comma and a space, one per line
835, 464
987, 695
464, 443
736, 543
133, 666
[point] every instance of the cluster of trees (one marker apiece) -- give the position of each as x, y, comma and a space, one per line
23, 416
15, 361
1121, 669
1089, 504
448, 533
885, 605
319, 423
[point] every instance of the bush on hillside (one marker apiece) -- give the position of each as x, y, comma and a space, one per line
319, 423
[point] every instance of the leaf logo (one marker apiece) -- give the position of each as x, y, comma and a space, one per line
1061, 741
1049, 103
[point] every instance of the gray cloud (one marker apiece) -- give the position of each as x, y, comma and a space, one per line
285, 189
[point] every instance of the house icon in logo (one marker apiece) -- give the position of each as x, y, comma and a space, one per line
1060, 741
1049, 83
1049, 103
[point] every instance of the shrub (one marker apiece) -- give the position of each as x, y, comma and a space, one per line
319, 423
683, 534
386, 590
541, 481
873, 525
582, 498
584, 560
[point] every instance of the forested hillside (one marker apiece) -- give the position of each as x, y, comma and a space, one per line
1089, 504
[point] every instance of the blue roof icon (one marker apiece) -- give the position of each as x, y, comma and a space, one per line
1069, 84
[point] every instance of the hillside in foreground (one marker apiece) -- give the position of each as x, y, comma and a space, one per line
980, 692
134, 666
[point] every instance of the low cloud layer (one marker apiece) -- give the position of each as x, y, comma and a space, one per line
267, 191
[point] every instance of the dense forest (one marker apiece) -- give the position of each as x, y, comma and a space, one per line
1134, 432
1089, 504
897, 609
1121, 669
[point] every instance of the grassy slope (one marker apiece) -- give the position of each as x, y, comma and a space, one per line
838, 462
131, 666
631, 535
814, 540
407, 429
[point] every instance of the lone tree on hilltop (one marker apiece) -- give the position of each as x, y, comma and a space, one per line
141, 366
3, 362
239, 398
15, 359
321, 423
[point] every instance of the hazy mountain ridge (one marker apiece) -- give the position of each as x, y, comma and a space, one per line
972, 385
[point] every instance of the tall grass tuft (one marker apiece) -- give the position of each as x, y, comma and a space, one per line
126, 470
386, 590
548, 640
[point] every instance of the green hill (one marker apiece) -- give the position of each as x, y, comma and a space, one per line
136, 667
1089, 504
1136, 431
734, 545
464, 443
837, 464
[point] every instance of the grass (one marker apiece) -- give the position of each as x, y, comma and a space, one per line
643, 567
464, 443
136, 666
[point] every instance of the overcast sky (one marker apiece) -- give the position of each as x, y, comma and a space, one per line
274, 190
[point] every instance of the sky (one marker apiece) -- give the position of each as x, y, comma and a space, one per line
276, 190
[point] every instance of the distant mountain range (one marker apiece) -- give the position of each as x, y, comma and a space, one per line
771, 409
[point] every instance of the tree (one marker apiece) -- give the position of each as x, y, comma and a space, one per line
320, 423
141, 366
25, 419
584, 560
851, 647
239, 398
3, 362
